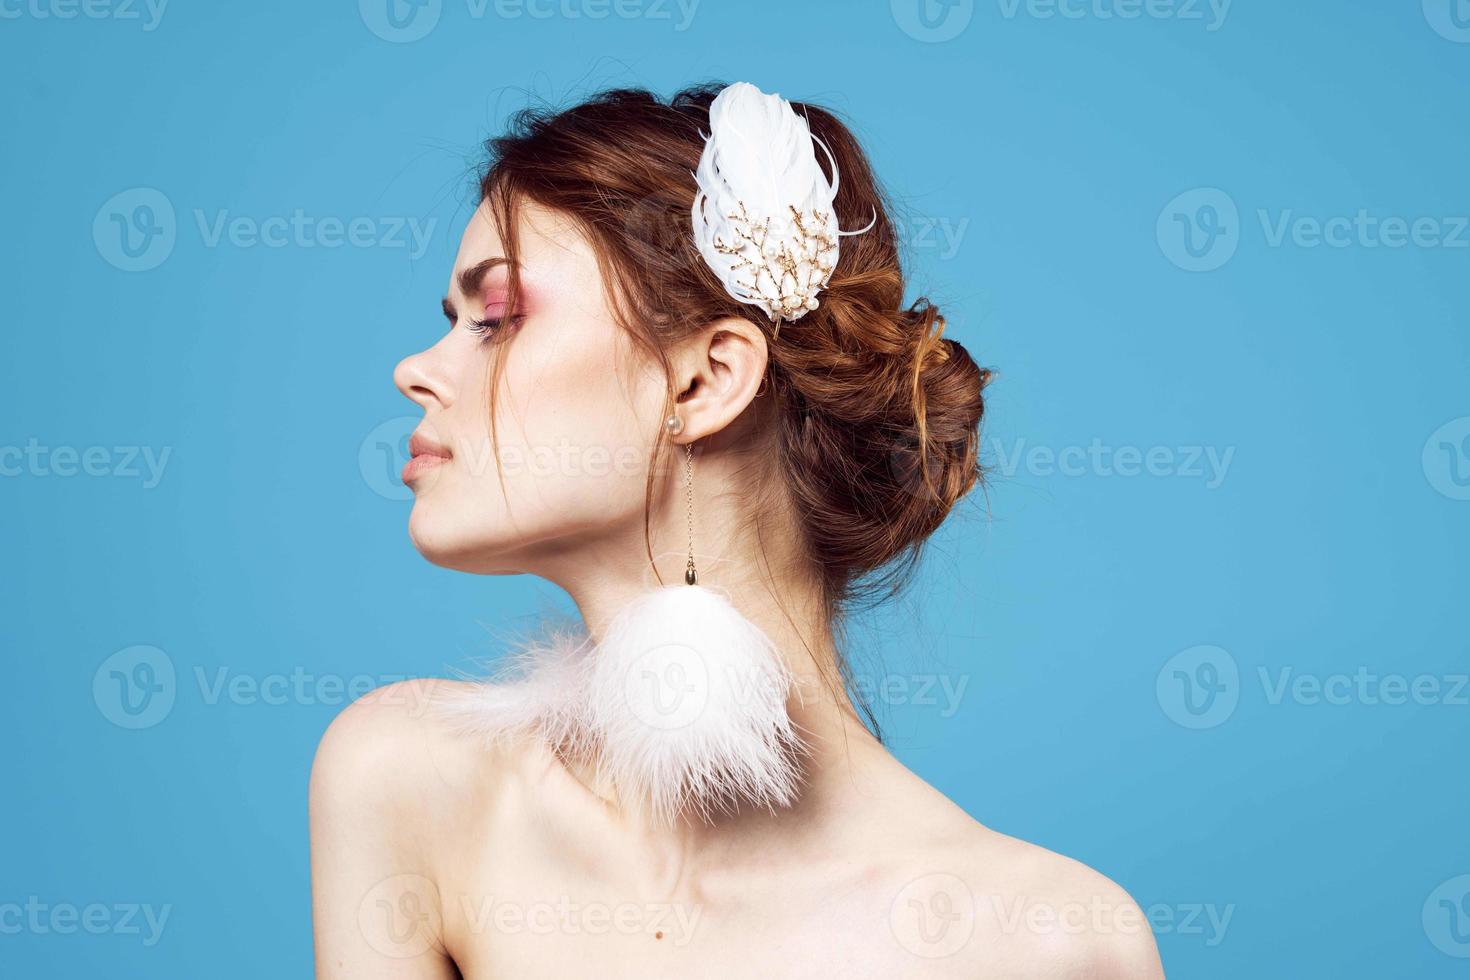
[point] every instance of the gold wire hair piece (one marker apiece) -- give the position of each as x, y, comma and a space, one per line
787, 278
764, 214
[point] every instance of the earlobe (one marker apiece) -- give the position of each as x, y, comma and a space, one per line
723, 369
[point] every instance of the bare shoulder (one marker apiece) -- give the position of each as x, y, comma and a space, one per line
385, 742
988, 904
1056, 913
393, 754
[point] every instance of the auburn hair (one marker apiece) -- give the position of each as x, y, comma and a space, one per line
875, 414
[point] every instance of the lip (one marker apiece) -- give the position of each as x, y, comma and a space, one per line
425, 454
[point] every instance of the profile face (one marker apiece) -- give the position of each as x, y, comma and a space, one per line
577, 408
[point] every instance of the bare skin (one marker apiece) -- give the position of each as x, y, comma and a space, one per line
435, 855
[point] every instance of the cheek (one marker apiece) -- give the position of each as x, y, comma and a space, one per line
585, 432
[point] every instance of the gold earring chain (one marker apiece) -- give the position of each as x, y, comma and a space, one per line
690, 576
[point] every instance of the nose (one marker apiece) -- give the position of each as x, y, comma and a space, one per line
416, 377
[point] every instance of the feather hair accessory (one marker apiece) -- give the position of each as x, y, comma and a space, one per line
763, 216
680, 708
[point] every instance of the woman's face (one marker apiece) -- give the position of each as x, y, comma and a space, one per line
577, 410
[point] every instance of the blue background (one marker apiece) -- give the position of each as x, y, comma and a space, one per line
1072, 604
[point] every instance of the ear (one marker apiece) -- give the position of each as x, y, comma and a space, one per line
716, 374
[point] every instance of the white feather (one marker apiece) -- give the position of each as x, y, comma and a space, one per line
763, 217
681, 707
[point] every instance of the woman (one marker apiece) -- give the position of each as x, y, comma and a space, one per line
677, 353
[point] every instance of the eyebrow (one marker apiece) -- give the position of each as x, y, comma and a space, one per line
469, 282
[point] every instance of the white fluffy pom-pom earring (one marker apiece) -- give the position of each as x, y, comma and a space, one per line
681, 706
689, 699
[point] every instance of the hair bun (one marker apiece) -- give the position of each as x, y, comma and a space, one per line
886, 436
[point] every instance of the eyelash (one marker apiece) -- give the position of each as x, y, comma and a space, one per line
490, 325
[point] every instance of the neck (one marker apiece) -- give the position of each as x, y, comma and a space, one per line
759, 568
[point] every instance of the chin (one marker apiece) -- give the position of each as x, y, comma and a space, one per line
445, 542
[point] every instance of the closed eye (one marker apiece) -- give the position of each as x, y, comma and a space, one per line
491, 324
